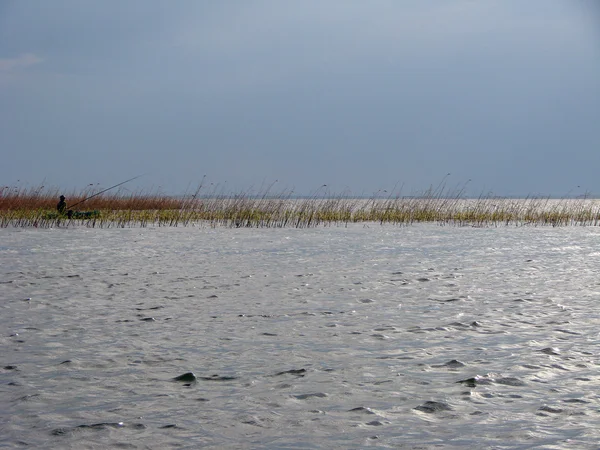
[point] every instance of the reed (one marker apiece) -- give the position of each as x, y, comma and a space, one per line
211, 206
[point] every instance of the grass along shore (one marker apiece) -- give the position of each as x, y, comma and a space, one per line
37, 208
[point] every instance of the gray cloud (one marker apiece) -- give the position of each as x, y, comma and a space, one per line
20, 62
347, 93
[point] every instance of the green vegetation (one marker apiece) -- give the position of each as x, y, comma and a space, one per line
37, 208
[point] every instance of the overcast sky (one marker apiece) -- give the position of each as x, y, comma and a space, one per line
359, 95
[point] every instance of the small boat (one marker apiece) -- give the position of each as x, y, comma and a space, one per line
83, 214
77, 215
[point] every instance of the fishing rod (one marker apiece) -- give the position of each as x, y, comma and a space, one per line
108, 189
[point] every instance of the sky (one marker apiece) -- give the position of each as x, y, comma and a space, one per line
494, 97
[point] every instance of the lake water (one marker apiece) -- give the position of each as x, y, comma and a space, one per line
367, 336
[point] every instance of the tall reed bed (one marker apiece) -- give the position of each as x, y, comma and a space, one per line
36, 207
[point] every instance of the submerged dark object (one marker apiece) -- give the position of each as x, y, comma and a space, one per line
190, 377
469, 382
298, 372
187, 377
433, 407
219, 378
479, 380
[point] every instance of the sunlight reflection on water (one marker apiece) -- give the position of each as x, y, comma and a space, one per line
319, 338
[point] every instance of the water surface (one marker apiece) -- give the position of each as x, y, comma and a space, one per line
366, 336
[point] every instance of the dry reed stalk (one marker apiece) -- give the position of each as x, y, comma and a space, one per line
35, 207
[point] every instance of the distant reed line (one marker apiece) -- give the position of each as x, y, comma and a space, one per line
37, 208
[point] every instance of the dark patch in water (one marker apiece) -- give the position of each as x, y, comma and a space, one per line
458, 324
60, 431
423, 279
469, 382
219, 378
362, 409
510, 381
297, 372
575, 400
171, 425
417, 329
96, 426
550, 409
102, 425
374, 423
560, 330
10, 367
148, 319
313, 395
254, 421
26, 398
452, 364
265, 316
395, 357
186, 377
479, 380
385, 328
433, 407
380, 336
67, 361
268, 334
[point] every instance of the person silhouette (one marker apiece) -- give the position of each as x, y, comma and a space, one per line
62, 205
